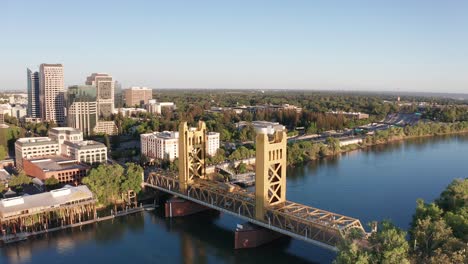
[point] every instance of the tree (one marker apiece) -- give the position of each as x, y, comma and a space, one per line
104, 181
241, 168
132, 179
51, 183
389, 245
333, 144
3, 152
19, 180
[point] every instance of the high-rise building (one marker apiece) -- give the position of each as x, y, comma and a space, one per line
33, 94
138, 96
81, 104
51, 93
104, 93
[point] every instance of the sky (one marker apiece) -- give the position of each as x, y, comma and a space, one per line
295, 44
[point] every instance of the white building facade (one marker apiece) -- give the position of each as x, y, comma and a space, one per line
160, 145
27, 148
212, 143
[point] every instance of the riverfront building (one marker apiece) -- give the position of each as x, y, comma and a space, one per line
51, 93
40, 212
65, 170
137, 96
27, 148
160, 145
165, 145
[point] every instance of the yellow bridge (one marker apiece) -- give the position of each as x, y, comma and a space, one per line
267, 207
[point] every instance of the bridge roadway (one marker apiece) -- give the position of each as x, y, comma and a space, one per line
313, 225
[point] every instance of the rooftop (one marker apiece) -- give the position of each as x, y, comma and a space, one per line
86, 144
35, 141
4, 175
57, 163
164, 134
67, 130
139, 88
43, 201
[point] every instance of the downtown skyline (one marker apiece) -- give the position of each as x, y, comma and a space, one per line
367, 46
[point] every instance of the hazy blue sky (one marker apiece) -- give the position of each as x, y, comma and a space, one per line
365, 45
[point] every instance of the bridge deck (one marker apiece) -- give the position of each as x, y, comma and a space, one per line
307, 223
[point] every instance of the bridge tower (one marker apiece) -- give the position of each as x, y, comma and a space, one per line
270, 172
192, 153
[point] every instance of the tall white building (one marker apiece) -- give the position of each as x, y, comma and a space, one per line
212, 143
34, 147
160, 145
51, 93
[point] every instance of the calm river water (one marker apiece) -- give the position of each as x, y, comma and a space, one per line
374, 184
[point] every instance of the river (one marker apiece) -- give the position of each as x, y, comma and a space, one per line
382, 182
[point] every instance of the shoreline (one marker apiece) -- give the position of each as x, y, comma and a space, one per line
354, 147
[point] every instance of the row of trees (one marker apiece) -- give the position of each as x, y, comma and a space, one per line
438, 234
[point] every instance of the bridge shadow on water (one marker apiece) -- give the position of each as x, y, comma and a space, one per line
201, 238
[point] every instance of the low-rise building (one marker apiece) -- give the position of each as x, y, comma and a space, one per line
262, 126
65, 170
61, 207
160, 145
355, 115
34, 147
156, 107
105, 127
88, 151
129, 112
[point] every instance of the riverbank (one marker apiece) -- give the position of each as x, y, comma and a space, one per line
301, 152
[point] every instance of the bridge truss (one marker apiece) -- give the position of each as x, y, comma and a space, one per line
303, 222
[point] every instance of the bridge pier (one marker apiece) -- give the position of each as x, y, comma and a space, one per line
249, 235
176, 207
